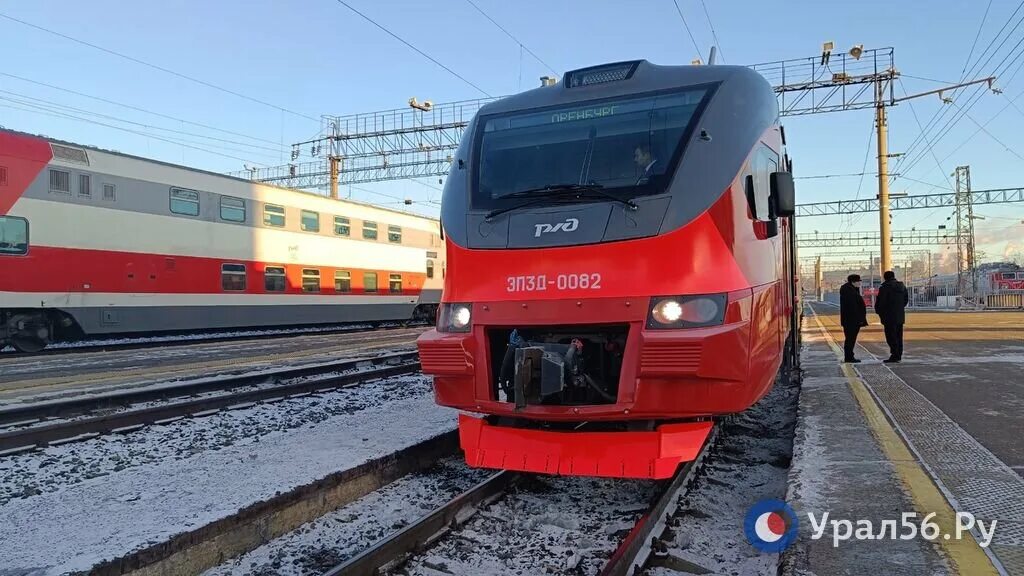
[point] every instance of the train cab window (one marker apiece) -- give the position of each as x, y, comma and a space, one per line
273, 215
395, 234
430, 268
342, 227
184, 202
60, 181
274, 279
395, 283
232, 277
369, 282
85, 185
342, 281
310, 280
369, 230
109, 192
13, 235
232, 209
310, 221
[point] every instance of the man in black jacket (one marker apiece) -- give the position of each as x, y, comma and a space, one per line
890, 306
853, 314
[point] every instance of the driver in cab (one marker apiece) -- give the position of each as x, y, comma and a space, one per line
645, 162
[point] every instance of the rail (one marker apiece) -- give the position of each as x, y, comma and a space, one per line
316, 378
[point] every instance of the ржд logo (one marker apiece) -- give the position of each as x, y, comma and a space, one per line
569, 225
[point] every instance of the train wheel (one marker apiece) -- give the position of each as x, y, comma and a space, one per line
27, 344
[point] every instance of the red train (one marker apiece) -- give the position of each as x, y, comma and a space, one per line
620, 269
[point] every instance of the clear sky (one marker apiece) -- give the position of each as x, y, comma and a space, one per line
317, 57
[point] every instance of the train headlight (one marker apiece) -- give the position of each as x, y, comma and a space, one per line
668, 312
455, 318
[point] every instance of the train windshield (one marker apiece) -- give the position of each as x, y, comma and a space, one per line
626, 146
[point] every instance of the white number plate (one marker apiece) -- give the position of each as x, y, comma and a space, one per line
542, 282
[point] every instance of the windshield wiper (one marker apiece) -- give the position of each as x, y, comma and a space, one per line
561, 192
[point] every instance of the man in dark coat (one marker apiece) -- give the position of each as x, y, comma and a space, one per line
890, 306
853, 314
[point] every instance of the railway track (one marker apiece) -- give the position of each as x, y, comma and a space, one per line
143, 343
629, 558
27, 426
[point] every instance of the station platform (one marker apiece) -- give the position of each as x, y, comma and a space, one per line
938, 433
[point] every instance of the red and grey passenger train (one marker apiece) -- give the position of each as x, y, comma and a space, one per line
621, 269
94, 242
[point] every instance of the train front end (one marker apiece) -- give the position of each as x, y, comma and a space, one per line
600, 305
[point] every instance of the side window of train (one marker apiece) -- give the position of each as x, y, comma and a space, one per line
273, 215
274, 279
232, 277
430, 268
184, 202
13, 236
232, 209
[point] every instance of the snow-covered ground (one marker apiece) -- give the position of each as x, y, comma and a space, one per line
56, 467
545, 525
749, 463
326, 542
107, 497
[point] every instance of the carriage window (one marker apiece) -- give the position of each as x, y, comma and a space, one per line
395, 234
60, 181
13, 235
232, 277
310, 280
430, 268
370, 281
232, 209
85, 185
310, 221
273, 215
3, 175
395, 283
369, 230
109, 192
185, 202
273, 279
342, 281
341, 226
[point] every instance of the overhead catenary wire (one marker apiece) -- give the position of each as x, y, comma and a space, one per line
140, 124
687, 28
411, 47
510, 35
160, 68
137, 108
147, 135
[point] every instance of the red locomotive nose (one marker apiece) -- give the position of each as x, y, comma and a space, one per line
616, 277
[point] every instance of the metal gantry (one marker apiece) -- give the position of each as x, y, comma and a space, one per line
871, 238
947, 199
419, 140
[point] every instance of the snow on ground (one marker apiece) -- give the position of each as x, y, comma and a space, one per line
328, 541
749, 463
107, 516
544, 525
55, 467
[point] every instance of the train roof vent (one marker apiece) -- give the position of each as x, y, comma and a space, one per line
601, 74
69, 154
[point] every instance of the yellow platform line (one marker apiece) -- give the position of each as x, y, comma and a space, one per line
967, 557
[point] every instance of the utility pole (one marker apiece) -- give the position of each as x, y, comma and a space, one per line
335, 161
883, 176
965, 277
817, 278
883, 154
